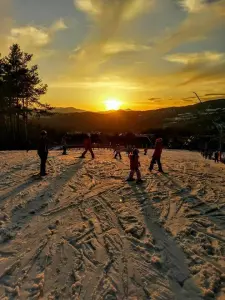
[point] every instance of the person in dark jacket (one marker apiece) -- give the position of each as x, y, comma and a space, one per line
156, 158
28, 145
129, 150
216, 156
210, 155
64, 145
43, 152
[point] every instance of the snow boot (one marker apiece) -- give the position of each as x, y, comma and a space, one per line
130, 179
43, 174
139, 181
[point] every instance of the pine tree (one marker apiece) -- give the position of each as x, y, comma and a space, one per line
21, 89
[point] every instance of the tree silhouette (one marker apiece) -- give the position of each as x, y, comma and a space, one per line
20, 92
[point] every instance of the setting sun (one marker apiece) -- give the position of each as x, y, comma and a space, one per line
112, 104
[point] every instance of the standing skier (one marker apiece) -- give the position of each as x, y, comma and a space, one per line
210, 155
216, 156
88, 147
156, 158
43, 152
134, 166
28, 146
118, 152
129, 150
64, 144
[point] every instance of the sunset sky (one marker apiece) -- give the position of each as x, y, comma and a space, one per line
145, 53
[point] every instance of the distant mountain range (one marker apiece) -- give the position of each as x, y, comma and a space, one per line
70, 110
190, 119
67, 110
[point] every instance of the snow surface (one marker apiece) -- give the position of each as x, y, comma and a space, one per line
84, 233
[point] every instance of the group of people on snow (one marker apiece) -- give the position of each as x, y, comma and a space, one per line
207, 154
133, 154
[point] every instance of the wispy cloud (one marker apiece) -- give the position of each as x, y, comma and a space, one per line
58, 25
97, 84
155, 100
195, 58
195, 27
35, 39
215, 95
194, 6
125, 9
120, 47
200, 67
29, 35
113, 48
204, 97
205, 74
189, 98
108, 19
142, 102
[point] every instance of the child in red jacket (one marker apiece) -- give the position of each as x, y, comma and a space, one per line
88, 147
134, 166
156, 158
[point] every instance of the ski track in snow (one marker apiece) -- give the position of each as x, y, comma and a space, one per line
84, 233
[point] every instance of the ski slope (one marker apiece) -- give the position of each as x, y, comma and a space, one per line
84, 233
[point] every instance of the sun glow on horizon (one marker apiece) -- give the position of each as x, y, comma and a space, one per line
112, 104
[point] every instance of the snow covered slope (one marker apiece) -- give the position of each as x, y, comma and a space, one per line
83, 233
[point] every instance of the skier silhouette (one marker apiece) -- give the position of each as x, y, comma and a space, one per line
156, 158
88, 146
64, 144
118, 152
43, 152
134, 166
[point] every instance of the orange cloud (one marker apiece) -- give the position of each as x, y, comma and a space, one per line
108, 18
